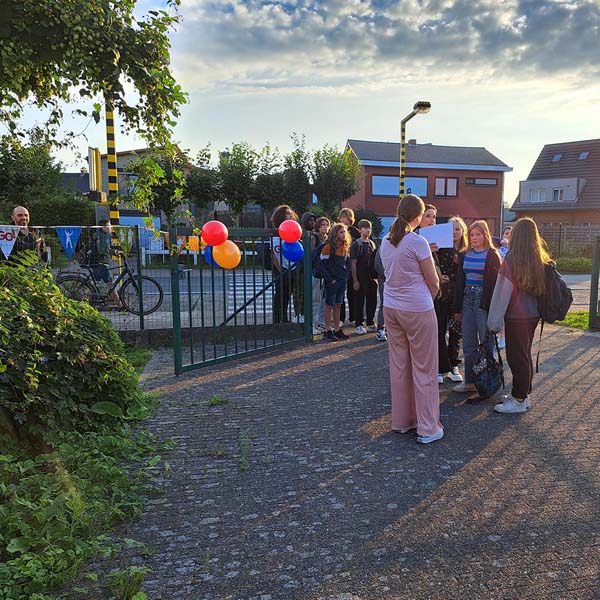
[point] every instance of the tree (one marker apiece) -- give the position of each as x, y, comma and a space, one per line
298, 189
28, 171
203, 183
51, 48
238, 167
269, 186
335, 177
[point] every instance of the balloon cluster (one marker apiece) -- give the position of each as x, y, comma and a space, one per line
291, 248
219, 251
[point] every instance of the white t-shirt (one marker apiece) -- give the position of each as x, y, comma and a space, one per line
284, 263
405, 286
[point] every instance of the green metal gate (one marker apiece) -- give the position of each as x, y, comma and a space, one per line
222, 314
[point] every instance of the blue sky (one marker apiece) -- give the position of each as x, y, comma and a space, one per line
509, 75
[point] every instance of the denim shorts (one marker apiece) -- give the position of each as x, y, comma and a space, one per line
334, 294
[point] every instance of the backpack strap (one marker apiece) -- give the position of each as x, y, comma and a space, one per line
537, 359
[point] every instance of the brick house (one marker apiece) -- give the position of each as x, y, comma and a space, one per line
563, 187
457, 180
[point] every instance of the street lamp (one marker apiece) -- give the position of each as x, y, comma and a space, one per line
420, 107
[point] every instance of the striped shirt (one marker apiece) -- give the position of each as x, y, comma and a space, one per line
474, 265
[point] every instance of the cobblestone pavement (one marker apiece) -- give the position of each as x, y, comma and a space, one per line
295, 489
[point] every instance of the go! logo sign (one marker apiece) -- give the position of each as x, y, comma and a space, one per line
8, 237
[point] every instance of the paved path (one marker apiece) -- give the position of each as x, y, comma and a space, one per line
296, 489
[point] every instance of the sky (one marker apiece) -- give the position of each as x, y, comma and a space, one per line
508, 75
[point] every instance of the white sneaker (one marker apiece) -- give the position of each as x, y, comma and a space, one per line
512, 406
372, 328
427, 439
440, 379
406, 430
360, 330
502, 343
454, 375
381, 335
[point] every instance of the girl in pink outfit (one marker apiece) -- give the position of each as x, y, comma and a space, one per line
411, 285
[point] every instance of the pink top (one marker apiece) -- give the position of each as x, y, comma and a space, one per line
405, 287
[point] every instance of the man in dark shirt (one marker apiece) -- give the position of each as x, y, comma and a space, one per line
27, 239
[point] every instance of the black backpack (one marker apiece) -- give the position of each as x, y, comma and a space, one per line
555, 303
319, 266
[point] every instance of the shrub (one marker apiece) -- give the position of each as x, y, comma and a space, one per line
62, 367
61, 209
574, 265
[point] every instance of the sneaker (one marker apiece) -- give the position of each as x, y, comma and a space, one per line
381, 335
454, 375
502, 343
427, 439
440, 379
405, 430
372, 327
329, 336
464, 388
321, 327
360, 330
512, 406
340, 335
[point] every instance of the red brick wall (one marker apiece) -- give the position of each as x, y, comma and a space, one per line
471, 203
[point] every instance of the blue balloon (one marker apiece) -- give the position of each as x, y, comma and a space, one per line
209, 257
293, 251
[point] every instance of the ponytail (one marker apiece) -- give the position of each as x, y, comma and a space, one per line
409, 208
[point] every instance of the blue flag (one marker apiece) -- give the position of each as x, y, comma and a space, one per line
69, 236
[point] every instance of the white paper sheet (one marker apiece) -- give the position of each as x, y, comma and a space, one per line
439, 234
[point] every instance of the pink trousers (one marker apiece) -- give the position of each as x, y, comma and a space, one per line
413, 349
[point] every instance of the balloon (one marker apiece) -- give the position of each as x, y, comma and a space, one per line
208, 255
214, 233
292, 252
227, 255
290, 231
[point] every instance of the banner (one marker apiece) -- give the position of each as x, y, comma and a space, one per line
68, 236
8, 237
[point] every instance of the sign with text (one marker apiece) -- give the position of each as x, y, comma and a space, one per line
8, 237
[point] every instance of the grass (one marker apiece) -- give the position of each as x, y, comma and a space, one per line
580, 320
138, 357
217, 401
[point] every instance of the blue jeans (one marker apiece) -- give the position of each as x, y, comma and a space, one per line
474, 327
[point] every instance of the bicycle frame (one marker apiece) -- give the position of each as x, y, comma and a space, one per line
90, 278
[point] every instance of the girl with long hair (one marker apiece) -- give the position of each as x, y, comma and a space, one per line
521, 281
448, 264
411, 284
334, 257
475, 281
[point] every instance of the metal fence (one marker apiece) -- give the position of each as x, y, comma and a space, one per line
219, 314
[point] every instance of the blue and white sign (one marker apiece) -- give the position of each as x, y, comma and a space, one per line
8, 237
68, 236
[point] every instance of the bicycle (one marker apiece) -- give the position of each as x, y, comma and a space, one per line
84, 287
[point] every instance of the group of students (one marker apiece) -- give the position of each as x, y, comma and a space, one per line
430, 299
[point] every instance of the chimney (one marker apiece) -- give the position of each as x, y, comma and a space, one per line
412, 142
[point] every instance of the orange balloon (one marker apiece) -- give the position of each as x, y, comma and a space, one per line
227, 255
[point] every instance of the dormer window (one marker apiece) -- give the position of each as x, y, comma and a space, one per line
556, 157
583, 155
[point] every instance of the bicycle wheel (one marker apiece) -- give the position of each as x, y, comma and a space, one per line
75, 287
152, 293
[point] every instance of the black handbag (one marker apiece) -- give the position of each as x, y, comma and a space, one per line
489, 372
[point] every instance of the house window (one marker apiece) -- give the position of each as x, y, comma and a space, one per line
536, 196
446, 186
558, 195
480, 181
583, 155
388, 185
556, 157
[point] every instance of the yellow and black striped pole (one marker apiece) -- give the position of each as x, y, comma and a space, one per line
420, 107
111, 162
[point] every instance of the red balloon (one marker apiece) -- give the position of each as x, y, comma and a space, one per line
290, 231
214, 233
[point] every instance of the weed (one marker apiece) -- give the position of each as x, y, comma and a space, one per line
127, 583
220, 453
244, 451
217, 400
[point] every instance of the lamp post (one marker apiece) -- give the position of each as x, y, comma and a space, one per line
420, 107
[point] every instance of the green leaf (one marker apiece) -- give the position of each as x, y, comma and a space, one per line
107, 408
18, 545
